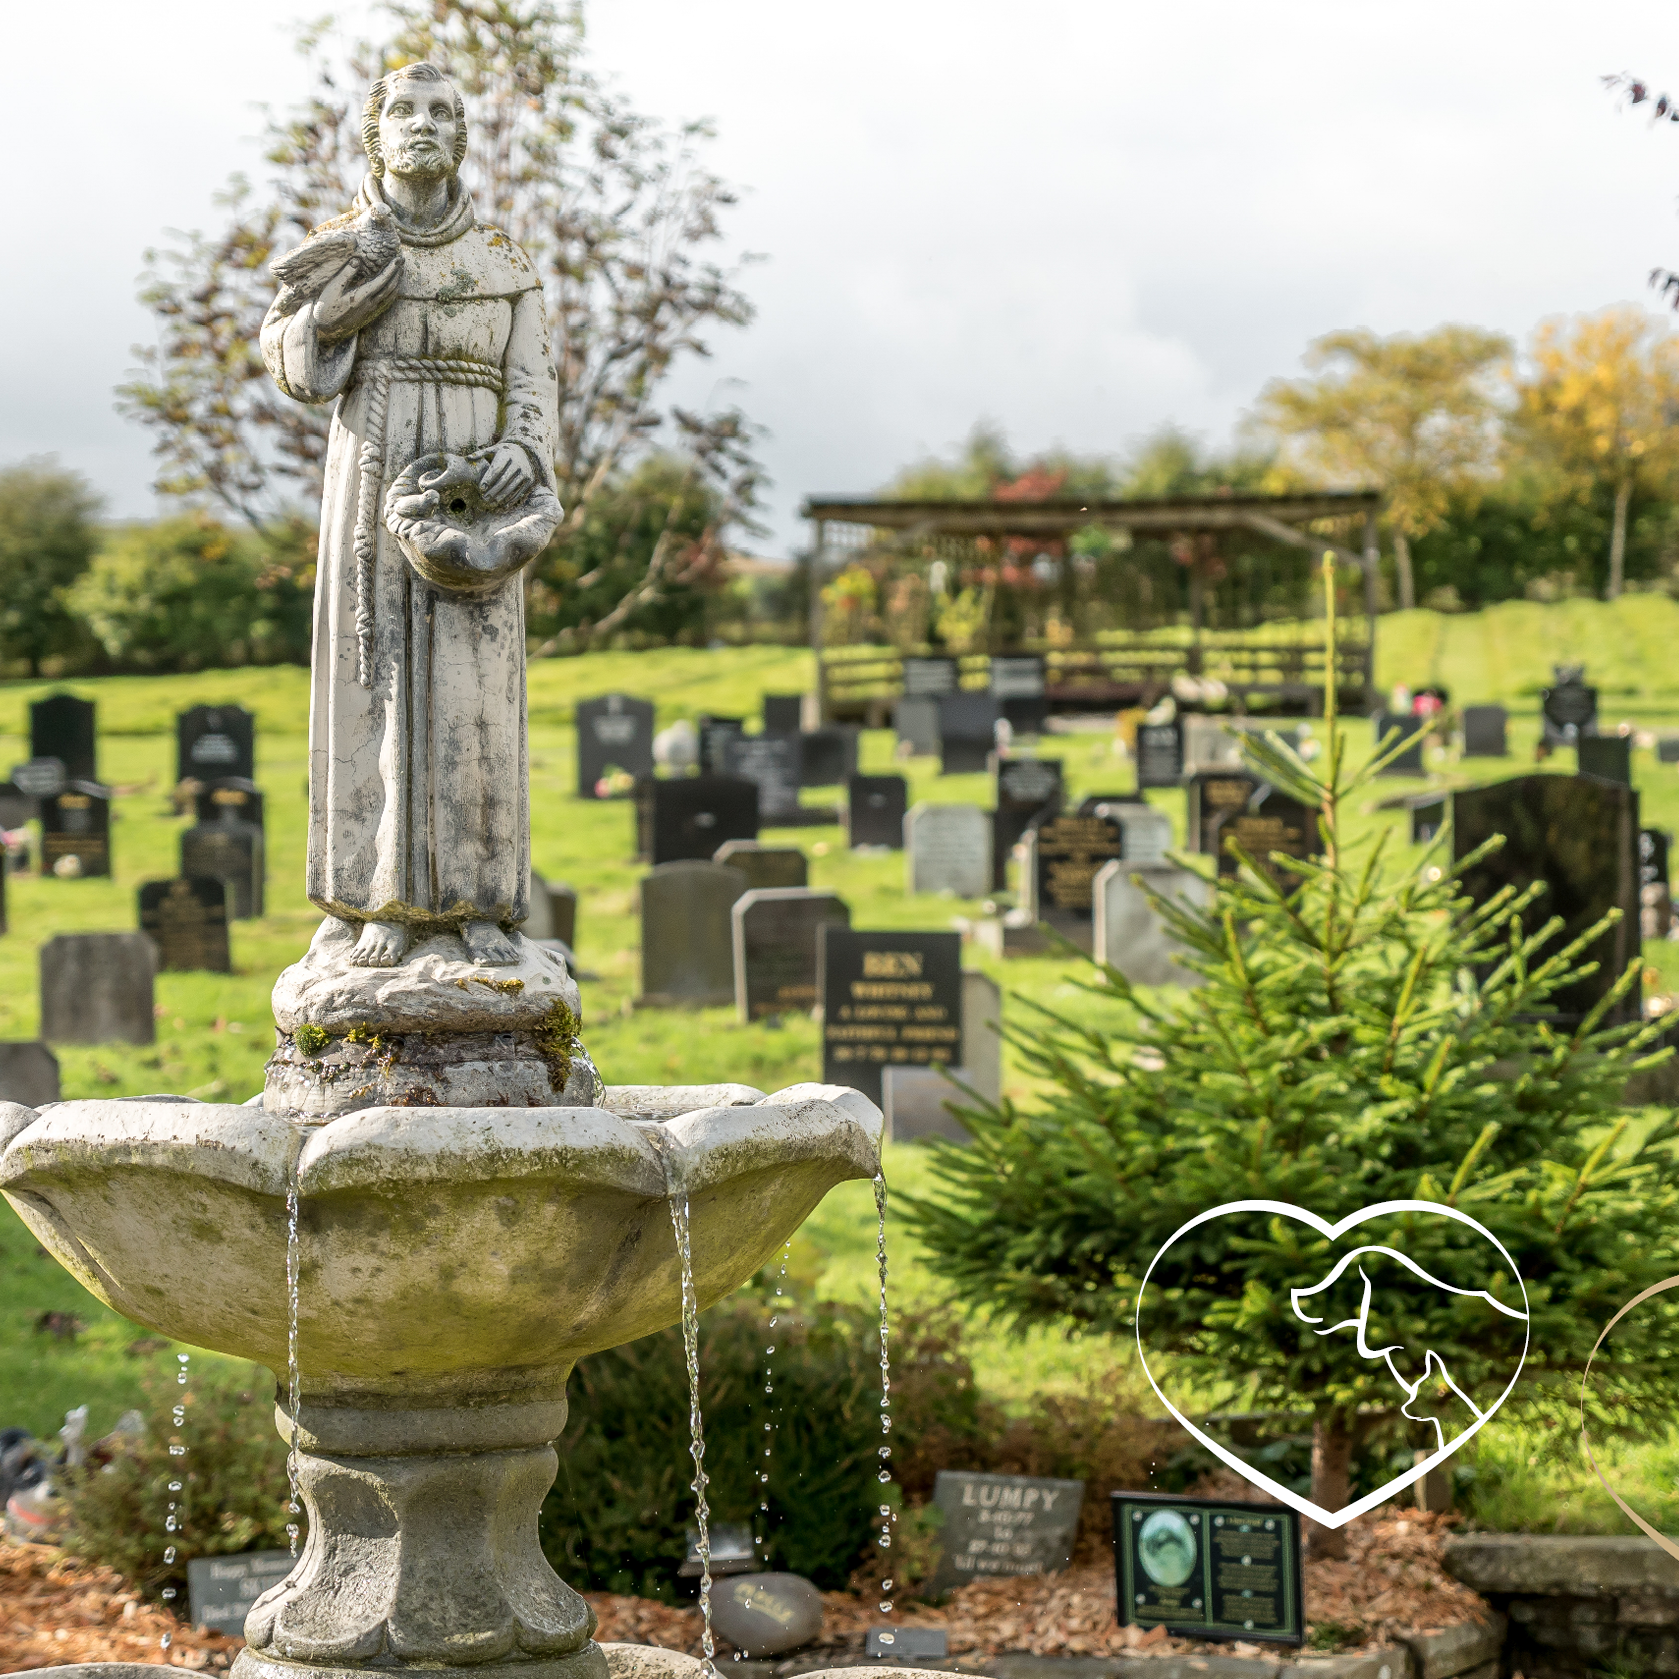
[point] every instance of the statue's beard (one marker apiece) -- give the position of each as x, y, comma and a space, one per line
423, 160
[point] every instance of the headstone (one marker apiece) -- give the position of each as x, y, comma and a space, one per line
1131, 934
76, 831
1579, 834
187, 920
553, 911
888, 999
40, 778
874, 810
213, 742
1485, 731
686, 819
967, 733
1160, 754
1067, 853
1428, 816
766, 867
687, 953
767, 1614
230, 851
1145, 833
614, 739
1568, 708
713, 732
1667, 749
62, 727
929, 678
222, 1589
1027, 788
1209, 745
948, 850
96, 988
28, 1074
1655, 894
1017, 685
772, 762
775, 949
783, 713
1211, 794
733, 1551
904, 1646
1409, 729
917, 1101
1002, 1525
232, 797
1608, 756
827, 756
916, 723
1270, 822
1207, 1569
16, 806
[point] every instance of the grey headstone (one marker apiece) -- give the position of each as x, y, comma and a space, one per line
1130, 934
687, 952
1145, 833
714, 730
765, 866
16, 806
948, 850
827, 756
40, 778
1002, 1525
774, 933
553, 911
1160, 754
916, 721
76, 831
187, 921
967, 733
614, 734
1608, 756
1408, 728
888, 999
96, 988
222, 1589
875, 806
1568, 708
28, 1074
686, 818
230, 851
63, 727
917, 1100
1667, 750
771, 762
766, 1614
1485, 731
1017, 685
215, 741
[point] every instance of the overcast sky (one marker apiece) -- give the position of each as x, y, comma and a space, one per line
1080, 218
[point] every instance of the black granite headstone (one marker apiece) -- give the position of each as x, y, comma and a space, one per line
1578, 834
1210, 794
766, 867
1409, 728
967, 733
1609, 756
76, 831
187, 920
772, 762
874, 810
62, 727
714, 732
887, 999
1068, 852
215, 742
1568, 708
1160, 754
1027, 788
1269, 822
614, 736
230, 851
1485, 731
929, 678
775, 932
686, 819
1017, 685
1428, 813
827, 756
783, 713
234, 799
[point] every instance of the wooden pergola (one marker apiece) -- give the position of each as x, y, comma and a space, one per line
1136, 662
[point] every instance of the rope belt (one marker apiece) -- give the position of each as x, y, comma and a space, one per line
427, 370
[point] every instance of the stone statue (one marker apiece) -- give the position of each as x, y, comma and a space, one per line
428, 331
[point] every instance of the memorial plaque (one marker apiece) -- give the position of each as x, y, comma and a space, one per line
948, 849
1160, 754
232, 852
916, 723
686, 819
76, 831
222, 1589
967, 733
1130, 933
614, 739
874, 810
1002, 1525
1017, 685
1428, 816
62, 727
929, 678
187, 921
96, 988
827, 756
1485, 731
1608, 756
215, 742
1026, 789
714, 731
1579, 835
28, 1074
1568, 708
774, 933
783, 713
40, 778
1203, 1568
234, 798
917, 1101
1067, 853
1409, 729
772, 763
1211, 794
687, 953
887, 999
1655, 895
1270, 822
766, 867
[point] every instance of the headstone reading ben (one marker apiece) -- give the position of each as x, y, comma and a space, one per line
1002, 1525
62, 727
213, 742
888, 999
614, 737
187, 920
774, 936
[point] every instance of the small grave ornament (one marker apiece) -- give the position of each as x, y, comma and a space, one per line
455, 537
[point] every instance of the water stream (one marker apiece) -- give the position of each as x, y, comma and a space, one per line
777, 1306
175, 1521
885, 1476
696, 1430
294, 1389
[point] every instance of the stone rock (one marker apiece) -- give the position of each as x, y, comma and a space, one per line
666, 1101
96, 988
766, 1614
648, 1661
1572, 1565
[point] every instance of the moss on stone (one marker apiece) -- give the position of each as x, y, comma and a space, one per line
556, 1040
311, 1040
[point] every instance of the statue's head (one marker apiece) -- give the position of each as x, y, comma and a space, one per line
414, 123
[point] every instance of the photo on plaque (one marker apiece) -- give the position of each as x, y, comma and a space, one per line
1208, 1568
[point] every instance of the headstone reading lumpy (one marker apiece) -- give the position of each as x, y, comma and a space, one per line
687, 950
1579, 835
1388, 731
1067, 853
827, 756
231, 798
1485, 731
213, 742
774, 936
917, 1100
230, 851
1131, 934
766, 867
1017, 685
1027, 788
686, 818
967, 733
948, 850
28, 1074
783, 714
1160, 752
76, 831
1211, 794
915, 721
1568, 708
187, 920
96, 988
875, 806
771, 762
1002, 1525
888, 999
614, 739
64, 727
1608, 756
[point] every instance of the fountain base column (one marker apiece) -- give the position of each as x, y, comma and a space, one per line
422, 1552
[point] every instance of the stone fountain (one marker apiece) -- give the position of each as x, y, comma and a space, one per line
436, 1207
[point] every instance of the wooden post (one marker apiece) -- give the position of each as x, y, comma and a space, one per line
1372, 561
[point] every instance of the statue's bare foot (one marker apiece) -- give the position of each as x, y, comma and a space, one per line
382, 945
488, 945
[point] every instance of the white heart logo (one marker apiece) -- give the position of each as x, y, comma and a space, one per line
1303, 1300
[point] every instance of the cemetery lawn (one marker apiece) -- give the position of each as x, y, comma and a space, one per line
214, 1031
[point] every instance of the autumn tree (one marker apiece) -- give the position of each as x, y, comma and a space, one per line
1599, 402
1415, 415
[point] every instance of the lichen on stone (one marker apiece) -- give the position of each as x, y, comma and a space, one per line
556, 1040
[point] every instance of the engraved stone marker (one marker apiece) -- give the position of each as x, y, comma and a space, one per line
1145, 833
96, 988
1269, 822
827, 756
1130, 933
76, 831
1160, 754
1067, 853
713, 732
614, 736
62, 727
1002, 1525
774, 934
687, 818
40, 778
1485, 731
28, 1073
222, 1589
874, 810
230, 851
213, 742
772, 762
687, 950
929, 678
1568, 708
1609, 756
916, 722
1211, 794
967, 733
949, 850
1026, 789
766, 867
1209, 745
187, 921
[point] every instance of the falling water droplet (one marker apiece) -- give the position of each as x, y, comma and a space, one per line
165, 1641
696, 1428
169, 1554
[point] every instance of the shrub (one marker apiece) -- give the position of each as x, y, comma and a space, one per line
47, 538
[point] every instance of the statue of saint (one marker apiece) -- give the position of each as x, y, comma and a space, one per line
427, 330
